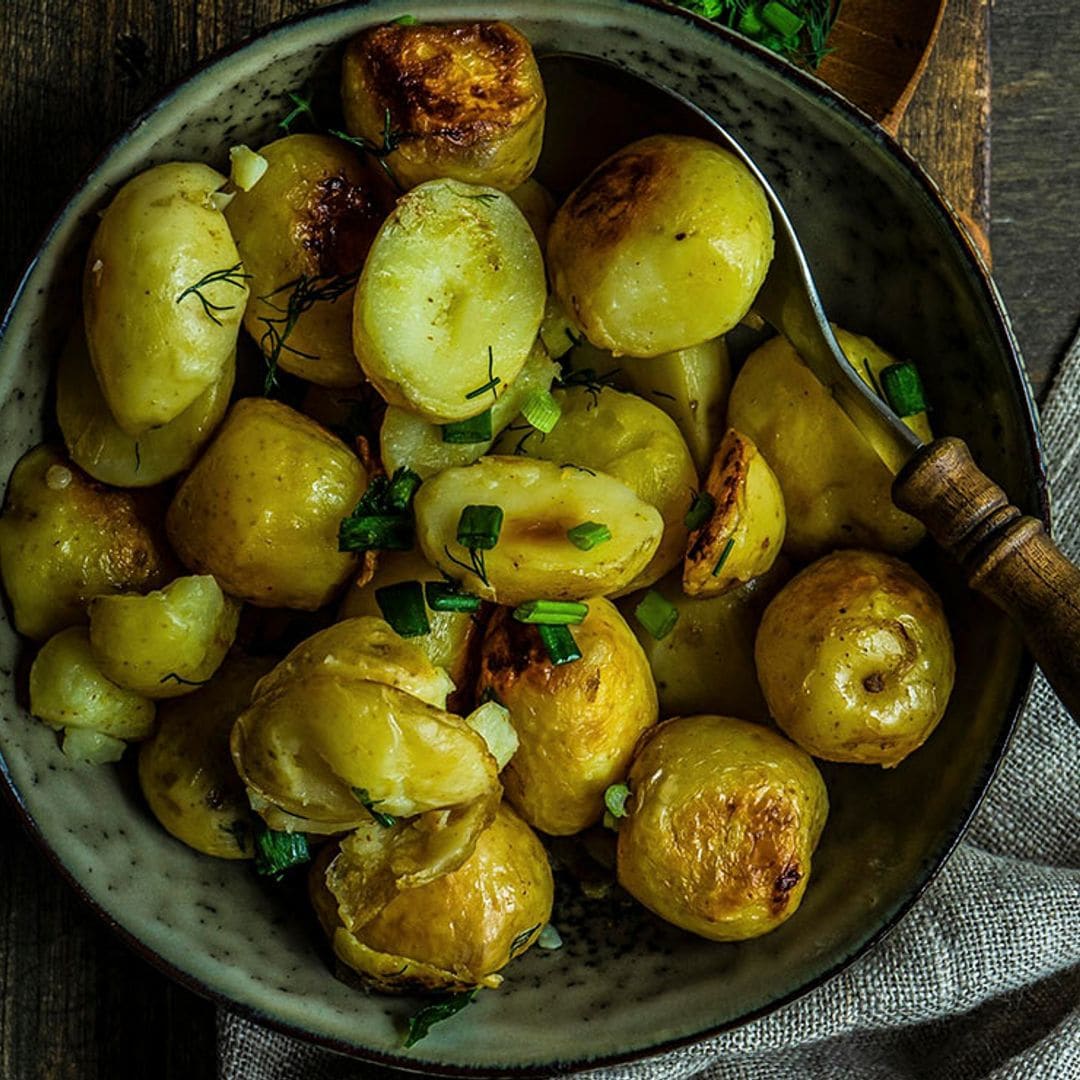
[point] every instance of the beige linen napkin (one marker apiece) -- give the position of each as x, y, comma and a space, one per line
980, 980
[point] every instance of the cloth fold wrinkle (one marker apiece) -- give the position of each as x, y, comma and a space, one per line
980, 981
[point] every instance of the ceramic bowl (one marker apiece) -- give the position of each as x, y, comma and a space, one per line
892, 263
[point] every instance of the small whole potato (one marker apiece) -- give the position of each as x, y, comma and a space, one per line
723, 816
69, 690
855, 659
460, 100
837, 491
537, 204
310, 218
166, 643
186, 772
577, 723
163, 295
458, 931
65, 539
261, 509
661, 247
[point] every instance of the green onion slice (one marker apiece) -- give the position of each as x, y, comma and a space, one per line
723, 556
376, 532
560, 644
541, 410
447, 596
479, 527
477, 429
276, 852
403, 608
551, 612
903, 389
387, 821
700, 510
750, 24
420, 1023
782, 19
615, 800
588, 535
401, 489
656, 615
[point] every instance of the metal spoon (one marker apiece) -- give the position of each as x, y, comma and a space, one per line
1006, 556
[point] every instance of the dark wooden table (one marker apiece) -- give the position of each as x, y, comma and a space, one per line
74, 1003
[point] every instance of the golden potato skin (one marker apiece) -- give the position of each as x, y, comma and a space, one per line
65, 539
538, 205
186, 772
577, 723
313, 214
466, 100
662, 247
166, 643
261, 509
456, 932
742, 537
98, 444
153, 352
723, 817
855, 659
837, 491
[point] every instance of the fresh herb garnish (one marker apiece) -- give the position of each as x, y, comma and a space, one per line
405, 20
421, 1023
588, 535
448, 596
903, 389
521, 941
701, 509
402, 606
381, 520
387, 821
138, 457
479, 527
615, 800
493, 381
482, 196
551, 612
477, 429
723, 556
301, 107
173, 677
663, 394
588, 378
656, 614
529, 432
578, 468
559, 643
875, 385
391, 140
542, 411
232, 275
474, 566
276, 852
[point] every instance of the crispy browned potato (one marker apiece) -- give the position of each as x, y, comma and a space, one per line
461, 100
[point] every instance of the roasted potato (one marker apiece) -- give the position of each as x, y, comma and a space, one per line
450, 641
163, 295
65, 539
537, 204
186, 771
408, 439
363, 648
167, 643
855, 659
98, 444
837, 491
576, 723
706, 663
302, 230
68, 690
743, 534
297, 749
630, 439
692, 386
450, 300
458, 931
460, 100
723, 818
663, 246
540, 501
261, 509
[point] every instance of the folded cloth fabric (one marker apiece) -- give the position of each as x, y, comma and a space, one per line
980, 980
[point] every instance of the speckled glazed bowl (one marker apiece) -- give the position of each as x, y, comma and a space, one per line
891, 263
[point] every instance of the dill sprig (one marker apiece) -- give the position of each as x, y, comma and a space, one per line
492, 383
592, 381
301, 107
232, 275
392, 138
304, 293
474, 566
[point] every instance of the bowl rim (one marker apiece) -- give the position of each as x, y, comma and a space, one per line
1001, 323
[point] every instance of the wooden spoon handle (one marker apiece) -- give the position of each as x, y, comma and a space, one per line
1007, 557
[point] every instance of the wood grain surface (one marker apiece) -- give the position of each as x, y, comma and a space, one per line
74, 1002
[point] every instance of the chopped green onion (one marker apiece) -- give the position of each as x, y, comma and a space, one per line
541, 410
903, 389
750, 24
276, 852
723, 556
403, 608
549, 938
405, 20
387, 821
447, 596
615, 800
376, 532
421, 1023
656, 615
476, 429
490, 384
782, 19
551, 612
491, 721
700, 511
479, 527
560, 644
401, 489
588, 535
